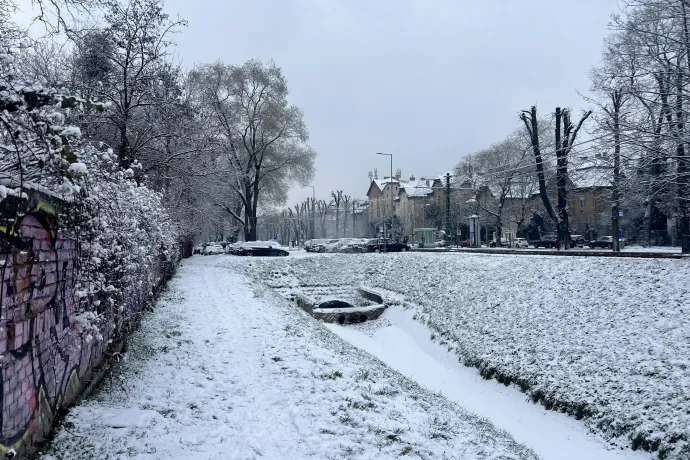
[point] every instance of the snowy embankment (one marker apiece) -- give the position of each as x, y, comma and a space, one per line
607, 340
226, 368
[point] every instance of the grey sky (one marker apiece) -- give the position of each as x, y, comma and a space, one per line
426, 80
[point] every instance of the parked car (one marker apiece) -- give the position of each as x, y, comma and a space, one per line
547, 241
315, 245
521, 243
602, 242
327, 246
212, 249
262, 248
355, 245
381, 244
440, 244
504, 243
338, 247
233, 248
577, 240
465, 244
197, 249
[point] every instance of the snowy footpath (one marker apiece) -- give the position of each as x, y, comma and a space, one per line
225, 368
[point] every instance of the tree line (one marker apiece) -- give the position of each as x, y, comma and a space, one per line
218, 141
636, 131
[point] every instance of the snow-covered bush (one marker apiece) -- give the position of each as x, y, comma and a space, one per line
126, 239
37, 144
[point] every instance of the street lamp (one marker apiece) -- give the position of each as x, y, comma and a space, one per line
390, 190
313, 203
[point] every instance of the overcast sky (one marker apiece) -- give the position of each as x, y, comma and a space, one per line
426, 80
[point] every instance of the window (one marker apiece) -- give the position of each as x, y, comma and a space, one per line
582, 202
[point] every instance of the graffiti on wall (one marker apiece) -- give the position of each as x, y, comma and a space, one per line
42, 354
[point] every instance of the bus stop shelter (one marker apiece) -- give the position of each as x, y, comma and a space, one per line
425, 237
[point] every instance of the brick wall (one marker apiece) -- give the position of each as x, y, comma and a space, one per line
45, 361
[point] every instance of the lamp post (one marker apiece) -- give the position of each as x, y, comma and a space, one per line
313, 203
390, 191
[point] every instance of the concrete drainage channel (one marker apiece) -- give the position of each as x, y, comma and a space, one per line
337, 304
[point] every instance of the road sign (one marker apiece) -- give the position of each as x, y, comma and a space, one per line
539, 228
620, 213
620, 233
459, 232
275, 236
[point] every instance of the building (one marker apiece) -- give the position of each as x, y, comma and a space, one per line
379, 196
590, 197
414, 195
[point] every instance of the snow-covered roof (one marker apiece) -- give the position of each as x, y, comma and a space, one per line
416, 188
442, 179
381, 183
591, 176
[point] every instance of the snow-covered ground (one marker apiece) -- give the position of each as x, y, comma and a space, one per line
606, 339
225, 368
404, 344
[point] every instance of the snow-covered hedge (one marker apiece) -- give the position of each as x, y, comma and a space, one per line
128, 242
600, 338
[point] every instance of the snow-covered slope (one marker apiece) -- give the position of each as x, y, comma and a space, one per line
601, 338
225, 368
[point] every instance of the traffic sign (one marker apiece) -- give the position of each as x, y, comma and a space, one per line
275, 236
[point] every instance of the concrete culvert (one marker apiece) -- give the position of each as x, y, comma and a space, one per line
362, 318
341, 319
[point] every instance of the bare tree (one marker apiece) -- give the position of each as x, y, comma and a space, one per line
127, 64
337, 199
565, 136
263, 137
347, 199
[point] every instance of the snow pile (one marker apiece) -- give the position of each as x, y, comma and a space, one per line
600, 338
262, 379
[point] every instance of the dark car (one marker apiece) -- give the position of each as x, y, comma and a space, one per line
577, 240
546, 241
602, 242
262, 248
381, 245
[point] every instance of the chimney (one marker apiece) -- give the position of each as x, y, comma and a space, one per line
411, 178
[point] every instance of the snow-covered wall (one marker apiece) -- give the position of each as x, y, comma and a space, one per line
48, 356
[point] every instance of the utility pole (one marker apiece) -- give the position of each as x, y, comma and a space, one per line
447, 207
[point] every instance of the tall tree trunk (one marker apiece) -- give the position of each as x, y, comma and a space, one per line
683, 167
532, 126
562, 224
615, 192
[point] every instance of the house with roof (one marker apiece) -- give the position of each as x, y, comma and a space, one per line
379, 196
590, 197
413, 196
